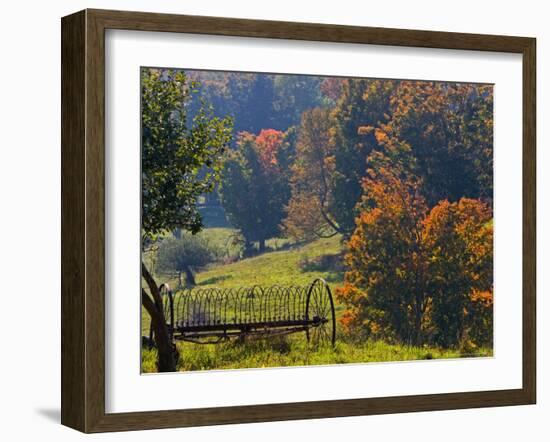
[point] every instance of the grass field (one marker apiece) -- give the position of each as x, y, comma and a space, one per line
286, 264
294, 351
283, 267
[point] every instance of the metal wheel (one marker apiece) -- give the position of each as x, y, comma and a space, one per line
320, 311
168, 307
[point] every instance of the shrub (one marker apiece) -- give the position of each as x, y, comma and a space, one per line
184, 255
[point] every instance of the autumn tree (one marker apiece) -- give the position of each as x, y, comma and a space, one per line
448, 127
417, 276
331, 88
362, 104
383, 289
254, 189
285, 155
459, 238
180, 161
308, 213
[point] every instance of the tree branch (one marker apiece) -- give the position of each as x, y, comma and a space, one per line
319, 234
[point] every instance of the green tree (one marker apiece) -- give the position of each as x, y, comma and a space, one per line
180, 161
251, 101
363, 104
294, 94
254, 189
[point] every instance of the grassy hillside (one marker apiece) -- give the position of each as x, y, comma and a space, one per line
287, 264
295, 265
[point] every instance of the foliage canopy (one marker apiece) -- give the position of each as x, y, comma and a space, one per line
416, 275
254, 187
180, 159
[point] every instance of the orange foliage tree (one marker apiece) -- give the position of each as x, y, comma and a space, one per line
311, 175
417, 275
459, 238
448, 127
269, 142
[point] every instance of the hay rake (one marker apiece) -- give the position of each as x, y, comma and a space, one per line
213, 315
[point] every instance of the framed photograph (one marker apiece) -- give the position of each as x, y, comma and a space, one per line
267, 221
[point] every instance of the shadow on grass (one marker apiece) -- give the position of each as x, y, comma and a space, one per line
215, 280
334, 277
323, 263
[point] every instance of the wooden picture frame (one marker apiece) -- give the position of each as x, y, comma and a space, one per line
83, 220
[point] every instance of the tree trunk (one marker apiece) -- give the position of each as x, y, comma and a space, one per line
190, 277
167, 352
261, 245
248, 250
418, 313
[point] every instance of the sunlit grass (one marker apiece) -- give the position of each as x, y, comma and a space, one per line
294, 351
282, 267
289, 264
148, 360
